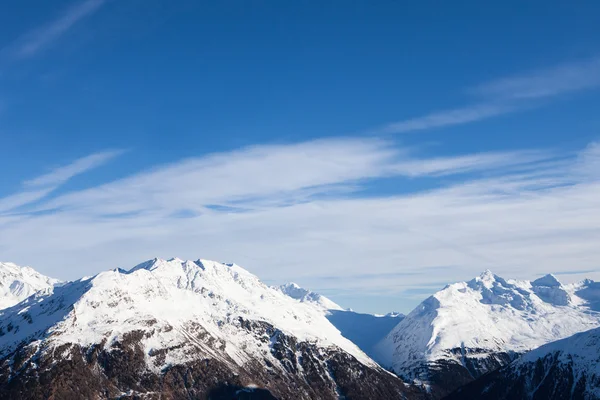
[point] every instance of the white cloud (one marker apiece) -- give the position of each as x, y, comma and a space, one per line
530, 213
33, 42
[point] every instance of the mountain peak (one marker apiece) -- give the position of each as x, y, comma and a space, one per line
487, 276
486, 279
291, 285
548, 280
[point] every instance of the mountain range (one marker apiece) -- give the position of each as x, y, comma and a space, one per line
181, 329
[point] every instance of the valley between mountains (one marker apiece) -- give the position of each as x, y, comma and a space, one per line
177, 329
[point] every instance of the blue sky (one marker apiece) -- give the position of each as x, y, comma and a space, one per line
372, 151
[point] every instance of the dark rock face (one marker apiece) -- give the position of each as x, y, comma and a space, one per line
546, 378
123, 370
445, 376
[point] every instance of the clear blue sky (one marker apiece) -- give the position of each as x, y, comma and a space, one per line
372, 151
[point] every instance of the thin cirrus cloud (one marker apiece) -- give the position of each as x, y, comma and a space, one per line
507, 95
545, 83
35, 41
62, 174
36, 189
445, 118
274, 174
521, 213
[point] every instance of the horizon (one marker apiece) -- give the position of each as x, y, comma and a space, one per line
350, 148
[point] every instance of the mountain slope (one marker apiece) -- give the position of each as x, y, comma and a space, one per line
18, 283
565, 369
470, 328
180, 329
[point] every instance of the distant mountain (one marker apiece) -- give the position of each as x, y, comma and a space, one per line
365, 330
179, 330
18, 283
565, 369
470, 328
309, 297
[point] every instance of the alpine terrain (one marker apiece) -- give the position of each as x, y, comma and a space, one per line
180, 330
470, 328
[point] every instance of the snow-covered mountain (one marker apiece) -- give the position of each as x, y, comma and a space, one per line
180, 329
18, 283
309, 297
565, 369
470, 328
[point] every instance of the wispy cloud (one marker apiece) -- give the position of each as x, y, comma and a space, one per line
63, 174
40, 187
31, 43
262, 207
545, 83
507, 95
446, 118
20, 199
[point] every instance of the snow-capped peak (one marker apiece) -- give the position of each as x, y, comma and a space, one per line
486, 279
487, 276
169, 298
17, 283
306, 296
487, 315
